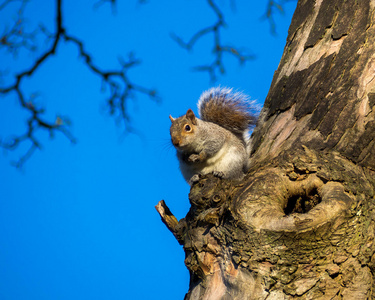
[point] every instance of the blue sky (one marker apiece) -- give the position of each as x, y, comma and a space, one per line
78, 221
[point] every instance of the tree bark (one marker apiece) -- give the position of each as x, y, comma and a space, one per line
301, 224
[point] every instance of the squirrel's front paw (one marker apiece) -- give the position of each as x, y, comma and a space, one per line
194, 158
218, 174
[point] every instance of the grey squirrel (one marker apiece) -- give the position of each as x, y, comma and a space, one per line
217, 142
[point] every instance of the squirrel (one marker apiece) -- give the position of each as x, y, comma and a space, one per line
217, 141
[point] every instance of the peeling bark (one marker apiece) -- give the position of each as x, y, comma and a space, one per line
301, 224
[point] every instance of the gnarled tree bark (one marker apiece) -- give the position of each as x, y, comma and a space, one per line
301, 224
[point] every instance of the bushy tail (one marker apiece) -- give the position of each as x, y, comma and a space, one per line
231, 110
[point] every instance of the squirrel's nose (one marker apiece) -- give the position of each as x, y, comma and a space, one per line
175, 141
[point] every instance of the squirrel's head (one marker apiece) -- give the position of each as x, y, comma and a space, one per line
182, 129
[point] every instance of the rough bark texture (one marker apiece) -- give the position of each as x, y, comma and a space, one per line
301, 224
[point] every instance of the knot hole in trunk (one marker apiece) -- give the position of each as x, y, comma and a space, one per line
302, 202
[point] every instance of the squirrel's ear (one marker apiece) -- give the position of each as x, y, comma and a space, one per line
190, 115
171, 118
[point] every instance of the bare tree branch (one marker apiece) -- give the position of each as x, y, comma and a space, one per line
6, 2
121, 88
217, 66
16, 37
111, 2
274, 6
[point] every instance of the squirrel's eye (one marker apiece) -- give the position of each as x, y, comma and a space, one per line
187, 127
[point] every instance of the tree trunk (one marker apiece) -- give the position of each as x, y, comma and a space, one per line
301, 224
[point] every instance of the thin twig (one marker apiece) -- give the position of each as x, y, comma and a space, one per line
16, 37
217, 65
101, 2
272, 7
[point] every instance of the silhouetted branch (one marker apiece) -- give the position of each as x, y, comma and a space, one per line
3, 4
272, 7
217, 66
112, 2
16, 37
121, 88
35, 122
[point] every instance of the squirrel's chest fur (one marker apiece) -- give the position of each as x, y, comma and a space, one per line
229, 159
223, 160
